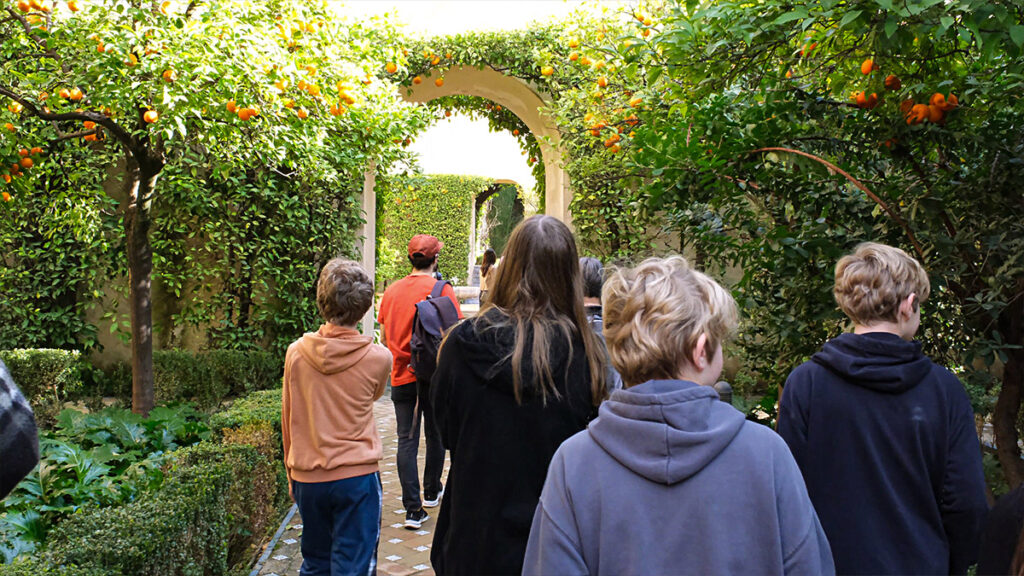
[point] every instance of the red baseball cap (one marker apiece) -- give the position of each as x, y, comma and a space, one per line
425, 244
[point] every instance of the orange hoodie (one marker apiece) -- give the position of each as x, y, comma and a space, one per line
331, 380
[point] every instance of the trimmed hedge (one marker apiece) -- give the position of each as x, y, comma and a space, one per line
215, 505
38, 567
262, 407
439, 204
204, 377
46, 377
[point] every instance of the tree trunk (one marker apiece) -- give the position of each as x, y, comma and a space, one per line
140, 184
1007, 408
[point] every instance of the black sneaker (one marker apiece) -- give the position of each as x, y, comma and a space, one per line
429, 502
414, 519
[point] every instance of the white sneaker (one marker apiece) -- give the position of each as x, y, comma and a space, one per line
433, 503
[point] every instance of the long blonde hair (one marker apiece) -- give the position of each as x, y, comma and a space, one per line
538, 288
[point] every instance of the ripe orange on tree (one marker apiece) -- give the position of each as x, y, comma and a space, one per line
64, 93
515, 132
131, 60
36, 150
169, 76
417, 80
26, 163
73, 5
23, 152
435, 61
24, 5
602, 81
150, 116
6, 196
574, 56
231, 106
547, 70
302, 114
439, 82
76, 94
867, 66
89, 124
391, 68
9, 127
892, 82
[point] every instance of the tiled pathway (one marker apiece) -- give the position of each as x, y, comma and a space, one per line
402, 552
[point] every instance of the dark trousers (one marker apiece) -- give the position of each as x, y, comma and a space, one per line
408, 415
340, 525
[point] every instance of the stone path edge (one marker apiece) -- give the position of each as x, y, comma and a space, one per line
273, 541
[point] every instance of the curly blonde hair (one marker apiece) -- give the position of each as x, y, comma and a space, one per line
655, 313
871, 283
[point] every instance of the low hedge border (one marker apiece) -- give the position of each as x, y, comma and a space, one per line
46, 377
214, 508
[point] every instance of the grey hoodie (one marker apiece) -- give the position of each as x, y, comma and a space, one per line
668, 480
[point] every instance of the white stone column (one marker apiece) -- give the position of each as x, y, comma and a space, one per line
369, 236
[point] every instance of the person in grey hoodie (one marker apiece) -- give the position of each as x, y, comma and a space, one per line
669, 480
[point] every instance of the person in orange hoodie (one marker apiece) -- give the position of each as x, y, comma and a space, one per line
332, 377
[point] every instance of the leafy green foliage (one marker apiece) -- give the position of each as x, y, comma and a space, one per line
47, 378
261, 407
505, 212
440, 205
93, 460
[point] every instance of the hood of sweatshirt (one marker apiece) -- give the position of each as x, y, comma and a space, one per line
876, 360
665, 430
487, 351
333, 349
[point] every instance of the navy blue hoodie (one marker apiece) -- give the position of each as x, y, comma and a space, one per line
669, 480
886, 442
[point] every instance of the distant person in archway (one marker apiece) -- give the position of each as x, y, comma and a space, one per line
397, 311
593, 280
885, 437
511, 384
487, 269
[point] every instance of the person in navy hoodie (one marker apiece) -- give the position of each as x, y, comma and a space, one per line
885, 438
668, 479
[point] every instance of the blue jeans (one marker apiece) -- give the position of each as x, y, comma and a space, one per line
340, 525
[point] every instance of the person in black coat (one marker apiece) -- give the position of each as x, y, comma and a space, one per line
884, 437
19, 440
511, 385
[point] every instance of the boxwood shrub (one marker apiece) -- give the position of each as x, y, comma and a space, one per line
46, 377
215, 507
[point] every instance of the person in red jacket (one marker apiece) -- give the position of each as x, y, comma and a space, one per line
332, 377
397, 310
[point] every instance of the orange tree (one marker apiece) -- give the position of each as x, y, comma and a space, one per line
213, 90
776, 135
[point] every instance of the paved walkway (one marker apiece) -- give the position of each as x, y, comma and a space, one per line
402, 552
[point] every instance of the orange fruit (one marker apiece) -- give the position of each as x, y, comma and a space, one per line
90, 138
867, 66
937, 99
9, 127
169, 76
615, 148
602, 81
89, 124
231, 106
165, 7
584, 60
131, 60
101, 48
289, 103
906, 106
635, 101
935, 113
952, 102
73, 5
337, 110
515, 132
417, 80
439, 82
24, 5
6, 196
23, 152
302, 114
64, 93
76, 94
789, 73
646, 32
36, 150
44, 96
26, 163
892, 82
574, 43
872, 101
391, 68
7, 178
574, 56
547, 70
15, 107
151, 116
244, 114
435, 61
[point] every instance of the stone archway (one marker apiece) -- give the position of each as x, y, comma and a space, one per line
517, 97
522, 100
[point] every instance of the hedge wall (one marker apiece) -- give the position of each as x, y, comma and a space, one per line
440, 205
47, 378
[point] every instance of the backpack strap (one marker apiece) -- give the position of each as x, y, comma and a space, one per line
438, 288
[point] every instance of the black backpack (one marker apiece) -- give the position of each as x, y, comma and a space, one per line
434, 316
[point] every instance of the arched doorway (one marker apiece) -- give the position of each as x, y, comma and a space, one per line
522, 100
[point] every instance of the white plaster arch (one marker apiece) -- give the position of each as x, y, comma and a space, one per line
522, 100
